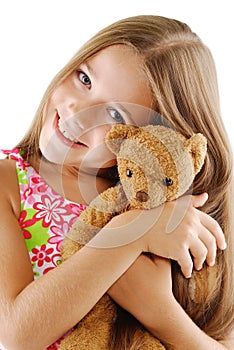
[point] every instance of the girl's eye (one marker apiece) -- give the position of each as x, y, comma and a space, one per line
84, 78
116, 115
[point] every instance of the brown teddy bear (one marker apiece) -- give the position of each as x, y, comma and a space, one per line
155, 164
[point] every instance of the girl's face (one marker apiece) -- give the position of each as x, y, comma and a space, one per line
110, 87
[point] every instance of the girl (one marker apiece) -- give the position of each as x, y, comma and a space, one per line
62, 163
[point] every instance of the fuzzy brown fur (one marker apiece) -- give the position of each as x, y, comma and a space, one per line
155, 164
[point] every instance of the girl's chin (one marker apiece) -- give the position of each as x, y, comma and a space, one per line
99, 166
58, 158
60, 154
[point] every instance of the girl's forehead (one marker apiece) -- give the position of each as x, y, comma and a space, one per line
117, 49
116, 59
118, 71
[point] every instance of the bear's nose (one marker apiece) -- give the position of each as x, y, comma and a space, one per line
142, 196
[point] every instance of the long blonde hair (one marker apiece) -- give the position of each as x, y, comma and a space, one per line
182, 76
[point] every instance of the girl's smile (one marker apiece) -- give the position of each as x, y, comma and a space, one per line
66, 136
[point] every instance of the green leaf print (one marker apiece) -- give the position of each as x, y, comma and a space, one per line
22, 176
39, 233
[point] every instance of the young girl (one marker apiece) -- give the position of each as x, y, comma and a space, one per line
62, 163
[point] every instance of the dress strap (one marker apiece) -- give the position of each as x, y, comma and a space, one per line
14, 153
18, 155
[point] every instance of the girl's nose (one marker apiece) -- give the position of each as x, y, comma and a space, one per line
90, 117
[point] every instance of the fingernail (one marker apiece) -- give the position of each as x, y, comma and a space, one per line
224, 246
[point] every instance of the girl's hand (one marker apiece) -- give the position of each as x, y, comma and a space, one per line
183, 233
175, 230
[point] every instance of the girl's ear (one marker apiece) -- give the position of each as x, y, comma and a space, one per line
117, 134
197, 146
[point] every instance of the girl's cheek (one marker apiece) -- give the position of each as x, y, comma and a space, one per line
100, 157
94, 137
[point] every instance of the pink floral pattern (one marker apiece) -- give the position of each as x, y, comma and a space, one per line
45, 219
58, 235
49, 210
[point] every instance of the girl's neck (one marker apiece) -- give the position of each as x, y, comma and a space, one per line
76, 186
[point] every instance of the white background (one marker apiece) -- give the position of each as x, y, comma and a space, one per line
39, 37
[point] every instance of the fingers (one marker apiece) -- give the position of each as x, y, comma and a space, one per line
192, 254
214, 229
200, 252
210, 234
190, 237
186, 263
206, 220
210, 249
200, 248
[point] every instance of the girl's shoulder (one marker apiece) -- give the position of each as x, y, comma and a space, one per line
7, 172
9, 188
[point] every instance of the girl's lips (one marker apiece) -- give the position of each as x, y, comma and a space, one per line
65, 140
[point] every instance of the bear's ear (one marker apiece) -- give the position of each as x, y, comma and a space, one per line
197, 146
117, 134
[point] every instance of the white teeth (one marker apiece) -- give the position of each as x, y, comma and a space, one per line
68, 136
65, 132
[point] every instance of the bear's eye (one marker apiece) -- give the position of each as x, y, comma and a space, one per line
167, 181
129, 173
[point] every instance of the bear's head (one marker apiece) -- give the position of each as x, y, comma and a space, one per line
155, 163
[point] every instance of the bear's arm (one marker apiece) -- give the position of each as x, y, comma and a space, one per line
101, 210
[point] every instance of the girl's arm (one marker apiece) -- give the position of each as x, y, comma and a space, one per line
34, 314
184, 333
154, 305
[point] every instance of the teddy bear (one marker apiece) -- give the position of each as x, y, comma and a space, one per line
155, 164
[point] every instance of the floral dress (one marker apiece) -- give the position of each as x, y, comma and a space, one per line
45, 219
